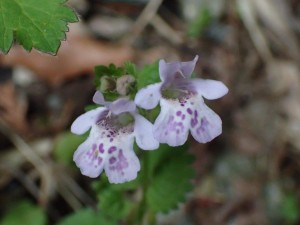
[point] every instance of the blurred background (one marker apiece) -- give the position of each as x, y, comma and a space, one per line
250, 175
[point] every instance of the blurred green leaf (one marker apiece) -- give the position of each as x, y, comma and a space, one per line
66, 145
290, 208
197, 27
170, 177
88, 217
34, 25
25, 213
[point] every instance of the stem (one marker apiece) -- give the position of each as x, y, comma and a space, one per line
144, 216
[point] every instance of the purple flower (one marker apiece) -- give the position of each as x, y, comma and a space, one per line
182, 105
110, 143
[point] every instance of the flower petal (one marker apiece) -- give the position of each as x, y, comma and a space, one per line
210, 89
149, 96
167, 71
121, 105
172, 124
88, 158
98, 98
122, 164
144, 133
205, 124
86, 120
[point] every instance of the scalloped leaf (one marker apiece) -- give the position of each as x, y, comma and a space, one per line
39, 25
171, 177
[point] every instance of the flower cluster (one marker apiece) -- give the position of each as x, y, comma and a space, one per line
116, 125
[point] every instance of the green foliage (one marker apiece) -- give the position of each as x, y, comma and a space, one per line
111, 71
33, 24
148, 75
25, 213
105, 80
197, 27
130, 68
116, 201
158, 179
290, 208
168, 166
65, 146
86, 216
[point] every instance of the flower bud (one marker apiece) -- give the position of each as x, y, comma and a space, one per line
124, 84
107, 83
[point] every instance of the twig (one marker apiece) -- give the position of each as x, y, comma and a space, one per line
165, 30
32, 157
19, 175
145, 17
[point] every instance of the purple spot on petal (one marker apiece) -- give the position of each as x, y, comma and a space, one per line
194, 122
112, 149
178, 113
122, 161
183, 117
112, 160
101, 149
99, 160
182, 104
189, 111
203, 125
196, 113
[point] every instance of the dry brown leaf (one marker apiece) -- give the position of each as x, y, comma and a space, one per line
78, 55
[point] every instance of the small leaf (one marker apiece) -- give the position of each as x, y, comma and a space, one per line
34, 25
66, 145
25, 213
171, 177
130, 68
86, 216
148, 75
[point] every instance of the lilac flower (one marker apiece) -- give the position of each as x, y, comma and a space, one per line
182, 105
110, 143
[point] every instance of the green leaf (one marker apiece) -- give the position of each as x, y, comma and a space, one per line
171, 177
148, 75
25, 213
34, 24
116, 200
130, 68
66, 145
115, 203
290, 208
203, 19
86, 216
